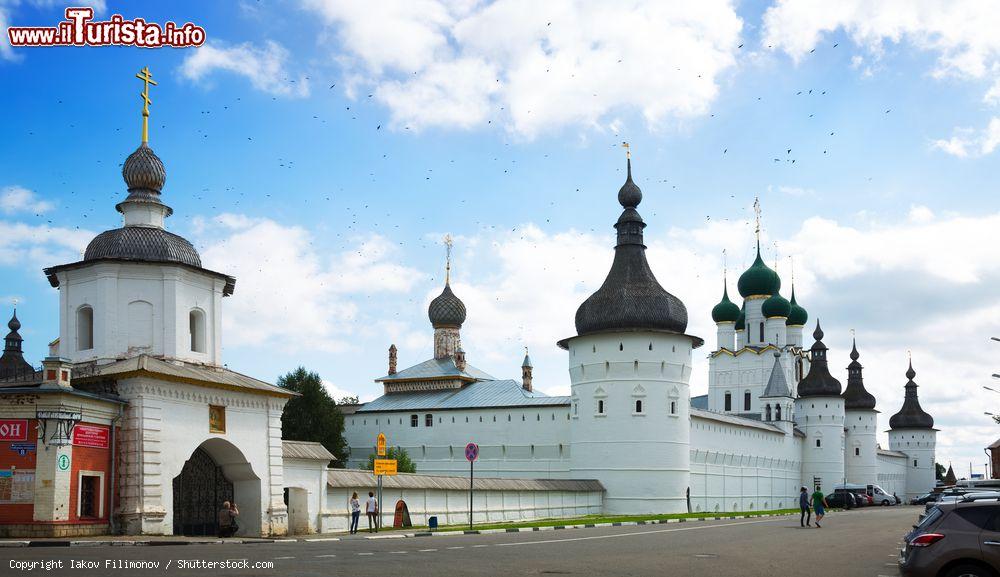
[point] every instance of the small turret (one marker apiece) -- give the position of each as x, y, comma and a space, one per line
392, 359
526, 371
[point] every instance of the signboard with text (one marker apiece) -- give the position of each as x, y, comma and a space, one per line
91, 436
380, 445
385, 467
13, 429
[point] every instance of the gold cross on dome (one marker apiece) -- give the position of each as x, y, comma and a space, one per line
447, 268
147, 79
628, 152
756, 210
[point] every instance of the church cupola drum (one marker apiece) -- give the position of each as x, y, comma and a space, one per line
630, 366
139, 288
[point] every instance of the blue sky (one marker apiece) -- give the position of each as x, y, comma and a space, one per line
319, 151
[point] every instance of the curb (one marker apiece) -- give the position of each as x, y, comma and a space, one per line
155, 543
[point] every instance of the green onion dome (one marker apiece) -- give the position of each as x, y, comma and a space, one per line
759, 279
797, 316
741, 321
726, 311
776, 306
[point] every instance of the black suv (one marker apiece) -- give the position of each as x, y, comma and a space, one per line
960, 539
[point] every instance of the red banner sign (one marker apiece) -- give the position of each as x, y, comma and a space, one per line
90, 436
13, 429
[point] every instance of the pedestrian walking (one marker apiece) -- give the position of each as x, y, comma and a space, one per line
355, 506
819, 505
227, 519
371, 509
806, 512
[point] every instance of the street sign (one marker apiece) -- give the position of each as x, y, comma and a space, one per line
380, 445
63, 462
472, 452
385, 466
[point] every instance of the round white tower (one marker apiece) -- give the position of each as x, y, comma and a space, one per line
860, 427
819, 413
629, 366
912, 432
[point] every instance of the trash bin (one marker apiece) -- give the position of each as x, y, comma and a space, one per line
432, 523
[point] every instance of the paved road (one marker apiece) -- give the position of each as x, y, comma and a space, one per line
862, 543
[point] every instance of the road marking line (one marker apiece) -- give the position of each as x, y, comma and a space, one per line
323, 539
277, 558
456, 547
397, 552
365, 553
331, 555
477, 546
626, 534
426, 550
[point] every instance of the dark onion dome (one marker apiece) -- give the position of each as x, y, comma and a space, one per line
726, 311
14, 325
797, 316
776, 306
819, 382
446, 310
143, 170
855, 395
12, 363
759, 279
140, 243
741, 321
911, 416
630, 298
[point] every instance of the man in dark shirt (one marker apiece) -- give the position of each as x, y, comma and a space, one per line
227, 519
806, 516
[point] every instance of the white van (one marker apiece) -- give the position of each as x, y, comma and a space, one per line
879, 496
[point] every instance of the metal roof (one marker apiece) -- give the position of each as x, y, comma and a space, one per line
477, 395
179, 371
353, 479
305, 450
700, 402
890, 453
436, 369
734, 420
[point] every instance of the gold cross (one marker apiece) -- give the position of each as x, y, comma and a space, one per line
147, 79
628, 152
756, 210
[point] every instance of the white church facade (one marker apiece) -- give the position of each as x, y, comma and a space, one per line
774, 418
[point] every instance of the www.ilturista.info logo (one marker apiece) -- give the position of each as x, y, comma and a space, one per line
79, 29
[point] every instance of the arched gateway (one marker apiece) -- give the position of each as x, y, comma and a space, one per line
216, 472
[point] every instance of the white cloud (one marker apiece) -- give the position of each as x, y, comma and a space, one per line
291, 295
23, 244
265, 67
535, 67
15, 199
969, 142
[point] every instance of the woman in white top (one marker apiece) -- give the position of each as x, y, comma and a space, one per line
355, 505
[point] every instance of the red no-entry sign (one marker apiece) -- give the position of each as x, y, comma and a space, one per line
472, 451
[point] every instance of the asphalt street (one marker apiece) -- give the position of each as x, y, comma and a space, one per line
861, 542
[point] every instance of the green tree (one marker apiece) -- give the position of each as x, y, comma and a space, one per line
313, 415
353, 400
940, 471
403, 462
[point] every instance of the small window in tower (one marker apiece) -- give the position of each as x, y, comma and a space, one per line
638, 406
621, 347
819, 443
729, 401
914, 462
414, 420
650, 346
777, 412
196, 329
857, 451
767, 413
84, 328
600, 407
746, 401
428, 420
761, 332
673, 407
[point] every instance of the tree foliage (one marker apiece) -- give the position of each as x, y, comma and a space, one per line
313, 415
940, 471
403, 462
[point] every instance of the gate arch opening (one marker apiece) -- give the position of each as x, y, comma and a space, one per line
216, 472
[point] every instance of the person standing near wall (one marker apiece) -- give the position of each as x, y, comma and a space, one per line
819, 504
371, 508
355, 508
227, 519
804, 507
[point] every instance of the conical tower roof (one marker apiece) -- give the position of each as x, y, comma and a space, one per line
819, 382
911, 415
856, 396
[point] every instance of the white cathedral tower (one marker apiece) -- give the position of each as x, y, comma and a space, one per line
912, 431
860, 426
630, 365
819, 413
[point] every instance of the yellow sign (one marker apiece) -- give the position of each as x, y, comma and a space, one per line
380, 445
385, 466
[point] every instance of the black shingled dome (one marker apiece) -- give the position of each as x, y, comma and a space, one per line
819, 382
911, 416
144, 244
855, 395
446, 310
631, 298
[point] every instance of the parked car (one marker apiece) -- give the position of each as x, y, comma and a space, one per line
840, 500
880, 497
960, 539
924, 499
